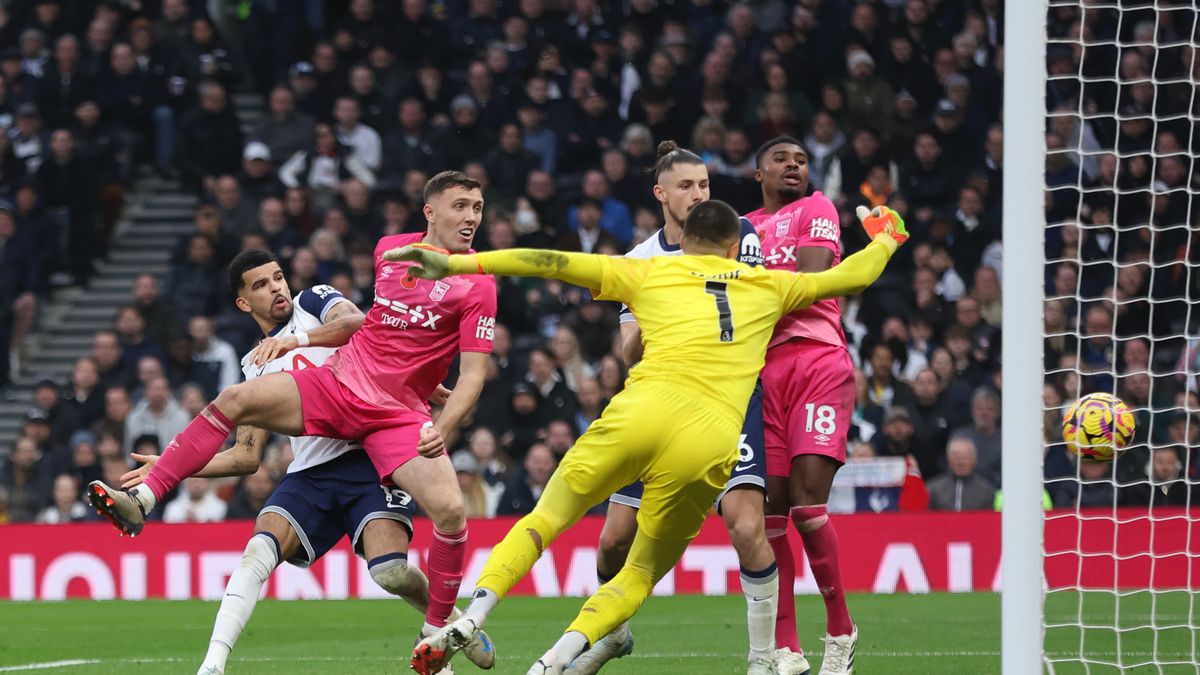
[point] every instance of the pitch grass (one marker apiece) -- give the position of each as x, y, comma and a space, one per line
900, 634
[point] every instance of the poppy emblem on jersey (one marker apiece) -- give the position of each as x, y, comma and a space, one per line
781, 227
408, 282
439, 290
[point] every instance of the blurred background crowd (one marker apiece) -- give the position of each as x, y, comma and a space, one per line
557, 106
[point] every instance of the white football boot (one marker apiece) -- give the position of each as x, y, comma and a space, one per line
839, 653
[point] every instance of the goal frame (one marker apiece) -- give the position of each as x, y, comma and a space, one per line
1024, 226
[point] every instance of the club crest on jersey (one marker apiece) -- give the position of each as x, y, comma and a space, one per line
439, 290
781, 227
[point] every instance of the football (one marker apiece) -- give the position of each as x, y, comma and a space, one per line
1097, 427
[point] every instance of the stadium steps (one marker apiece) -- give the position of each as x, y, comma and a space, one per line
157, 214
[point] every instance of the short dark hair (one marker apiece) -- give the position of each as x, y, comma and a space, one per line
446, 180
670, 154
245, 261
778, 140
712, 222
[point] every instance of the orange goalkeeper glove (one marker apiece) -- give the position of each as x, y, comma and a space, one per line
883, 220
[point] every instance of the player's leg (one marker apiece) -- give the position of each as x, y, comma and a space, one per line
741, 506
379, 523
271, 402
274, 541
620, 526
679, 490
604, 459
776, 403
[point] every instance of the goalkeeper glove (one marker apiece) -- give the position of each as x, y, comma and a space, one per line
883, 220
431, 262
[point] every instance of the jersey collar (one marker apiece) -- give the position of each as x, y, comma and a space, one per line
662, 242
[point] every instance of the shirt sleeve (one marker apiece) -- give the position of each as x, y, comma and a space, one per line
318, 300
799, 290
817, 225
621, 278
477, 322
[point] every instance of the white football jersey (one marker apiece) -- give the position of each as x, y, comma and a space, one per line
750, 252
309, 308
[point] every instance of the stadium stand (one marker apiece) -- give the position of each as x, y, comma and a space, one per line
311, 133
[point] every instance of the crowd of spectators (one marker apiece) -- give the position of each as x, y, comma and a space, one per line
557, 108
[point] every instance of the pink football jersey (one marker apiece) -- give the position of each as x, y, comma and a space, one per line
413, 331
808, 221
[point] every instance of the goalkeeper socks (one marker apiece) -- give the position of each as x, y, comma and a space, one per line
571, 644
241, 595
447, 555
786, 635
761, 589
199, 441
821, 544
482, 604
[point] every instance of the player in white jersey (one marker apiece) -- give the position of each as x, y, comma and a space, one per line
681, 183
331, 489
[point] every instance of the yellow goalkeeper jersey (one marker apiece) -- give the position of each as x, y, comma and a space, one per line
706, 321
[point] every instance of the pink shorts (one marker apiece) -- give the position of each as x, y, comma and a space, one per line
331, 410
808, 398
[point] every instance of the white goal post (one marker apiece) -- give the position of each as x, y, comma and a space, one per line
1021, 411
1101, 261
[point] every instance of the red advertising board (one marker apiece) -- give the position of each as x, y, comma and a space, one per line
882, 553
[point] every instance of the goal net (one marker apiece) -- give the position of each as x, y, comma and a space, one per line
1121, 544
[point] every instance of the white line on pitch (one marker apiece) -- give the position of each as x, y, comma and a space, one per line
48, 665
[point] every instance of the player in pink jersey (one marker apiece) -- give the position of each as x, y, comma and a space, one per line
808, 396
373, 390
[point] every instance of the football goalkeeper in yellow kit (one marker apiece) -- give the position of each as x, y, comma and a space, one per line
706, 321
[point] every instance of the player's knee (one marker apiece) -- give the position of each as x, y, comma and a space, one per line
449, 515
232, 401
746, 530
397, 577
615, 542
261, 556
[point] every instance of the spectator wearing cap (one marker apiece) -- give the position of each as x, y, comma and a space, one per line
364, 142
134, 105
20, 283
897, 435
478, 500
29, 141
64, 86
285, 130
84, 395
26, 478
62, 417
21, 86
526, 418
324, 168
210, 139
258, 179
869, 99
960, 488
67, 506
522, 494
411, 144
303, 82
158, 414
959, 148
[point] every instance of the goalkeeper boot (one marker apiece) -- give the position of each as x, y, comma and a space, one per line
543, 668
762, 666
839, 653
119, 507
615, 645
788, 662
433, 653
480, 650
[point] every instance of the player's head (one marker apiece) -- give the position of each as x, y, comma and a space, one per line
261, 287
712, 228
680, 181
454, 209
782, 169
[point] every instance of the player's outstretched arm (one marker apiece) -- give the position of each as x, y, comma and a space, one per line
858, 271
240, 460
579, 269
